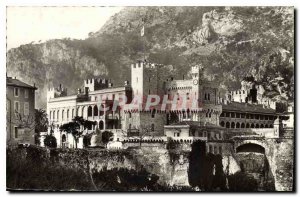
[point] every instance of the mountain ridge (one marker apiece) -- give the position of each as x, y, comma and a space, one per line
231, 44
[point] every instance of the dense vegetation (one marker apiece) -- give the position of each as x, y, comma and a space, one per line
35, 168
231, 44
32, 171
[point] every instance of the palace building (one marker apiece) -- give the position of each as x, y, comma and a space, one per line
193, 109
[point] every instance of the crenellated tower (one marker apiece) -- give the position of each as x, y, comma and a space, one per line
96, 84
56, 92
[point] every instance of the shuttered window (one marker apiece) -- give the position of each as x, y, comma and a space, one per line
26, 108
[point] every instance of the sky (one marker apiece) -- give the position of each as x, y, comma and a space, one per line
38, 24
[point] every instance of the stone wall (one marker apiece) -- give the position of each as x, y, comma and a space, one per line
279, 153
281, 159
171, 161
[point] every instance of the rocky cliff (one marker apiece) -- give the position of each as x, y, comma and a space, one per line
231, 44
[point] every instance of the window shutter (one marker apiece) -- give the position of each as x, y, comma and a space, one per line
26, 108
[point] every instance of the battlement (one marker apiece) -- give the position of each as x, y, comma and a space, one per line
56, 92
96, 84
142, 64
179, 84
196, 68
96, 81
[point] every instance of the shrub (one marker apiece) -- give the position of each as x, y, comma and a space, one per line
242, 182
50, 141
122, 179
33, 171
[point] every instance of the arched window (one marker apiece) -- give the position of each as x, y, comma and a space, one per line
90, 111
271, 125
62, 114
262, 126
247, 125
63, 140
222, 124
53, 115
152, 127
82, 111
68, 114
237, 125
208, 96
243, 125
266, 126
57, 114
211, 149
257, 126
232, 125
129, 127
72, 113
188, 113
227, 125
205, 97
101, 125
129, 113
101, 110
252, 125
95, 110
50, 114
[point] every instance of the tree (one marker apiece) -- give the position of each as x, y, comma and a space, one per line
50, 141
37, 122
41, 124
106, 137
75, 127
242, 182
25, 122
196, 164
